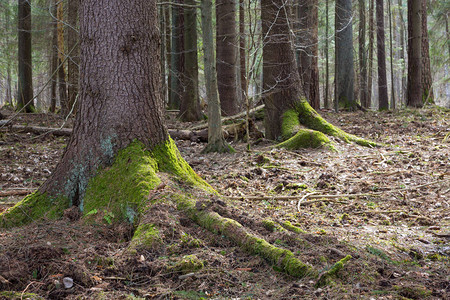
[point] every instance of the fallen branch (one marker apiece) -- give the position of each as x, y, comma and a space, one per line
15, 192
311, 195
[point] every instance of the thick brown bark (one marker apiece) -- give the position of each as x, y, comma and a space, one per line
226, 57
8, 93
402, 53
363, 97
281, 79
190, 103
414, 89
427, 80
327, 71
391, 50
307, 16
120, 96
344, 54
383, 100
72, 46
25, 78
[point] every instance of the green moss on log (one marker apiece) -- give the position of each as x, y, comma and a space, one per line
282, 259
20, 295
33, 207
288, 225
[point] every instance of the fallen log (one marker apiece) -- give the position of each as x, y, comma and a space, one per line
15, 192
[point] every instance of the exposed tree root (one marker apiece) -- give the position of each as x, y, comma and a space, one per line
295, 136
325, 276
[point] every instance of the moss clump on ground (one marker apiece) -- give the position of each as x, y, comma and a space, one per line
188, 264
269, 225
307, 138
145, 236
33, 207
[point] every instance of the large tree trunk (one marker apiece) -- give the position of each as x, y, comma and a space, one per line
371, 42
308, 50
226, 60
176, 57
8, 88
72, 47
391, 50
383, 100
119, 103
216, 141
62, 86
25, 77
53, 61
402, 53
242, 48
327, 69
190, 103
427, 80
414, 89
363, 97
344, 55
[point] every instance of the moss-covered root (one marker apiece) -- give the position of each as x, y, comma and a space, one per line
282, 259
323, 277
311, 119
288, 225
307, 138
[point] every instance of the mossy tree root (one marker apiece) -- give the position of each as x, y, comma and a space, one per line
220, 146
325, 276
294, 135
282, 259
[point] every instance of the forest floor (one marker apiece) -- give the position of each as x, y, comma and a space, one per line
387, 207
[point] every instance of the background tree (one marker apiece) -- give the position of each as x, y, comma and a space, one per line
363, 97
25, 84
344, 54
190, 102
383, 100
414, 89
308, 50
216, 141
427, 80
176, 56
72, 46
226, 58
62, 85
370, 50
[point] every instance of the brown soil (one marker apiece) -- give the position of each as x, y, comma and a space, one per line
386, 207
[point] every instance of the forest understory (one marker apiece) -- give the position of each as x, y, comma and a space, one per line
387, 207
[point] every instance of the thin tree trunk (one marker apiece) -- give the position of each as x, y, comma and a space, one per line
226, 59
391, 50
54, 60
25, 77
168, 43
162, 25
62, 86
8, 94
427, 80
74, 60
216, 141
177, 56
363, 55
190, 103
327, 70
371, 43
344, 54
383, 100
414, 89
242, 48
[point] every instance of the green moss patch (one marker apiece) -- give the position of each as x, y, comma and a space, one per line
20, 295
307, 138
188, 264
33, 207
145, 236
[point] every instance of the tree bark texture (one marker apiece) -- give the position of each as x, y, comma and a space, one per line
327, 70
176, 57
383, 100
8, 88
344, 54
391, 50
120, 96
242, 48
226, 58
308, 50
427, 80
54, 61
414, 88
190, 103
73, 48
280, 76
62, 86
363, 97
25, 78
402, 52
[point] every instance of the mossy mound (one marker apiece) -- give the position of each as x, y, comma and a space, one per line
188, 264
